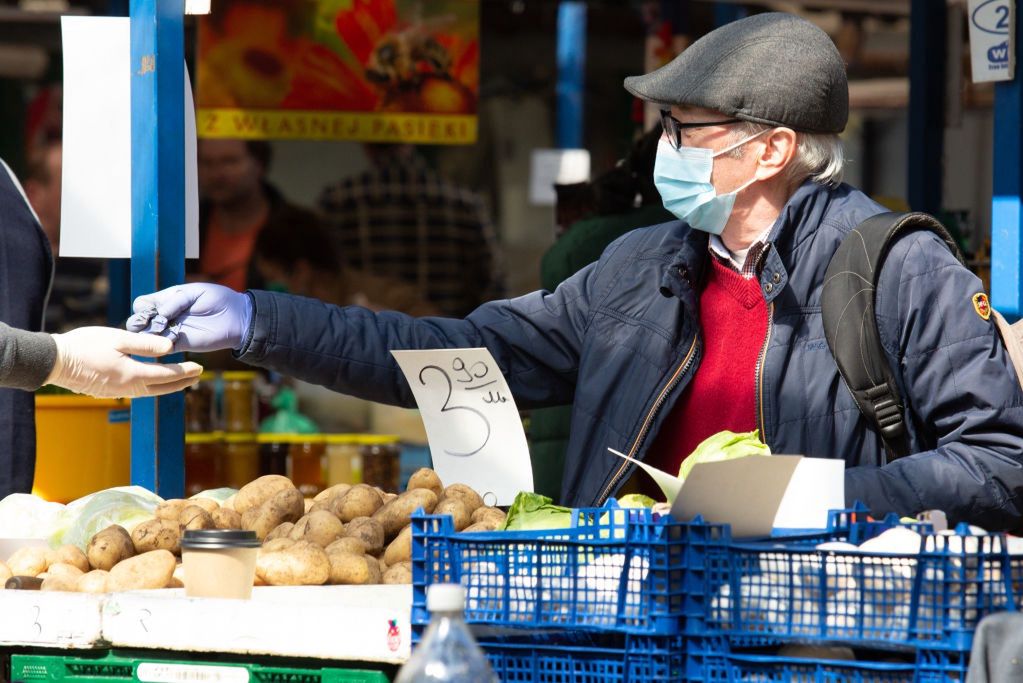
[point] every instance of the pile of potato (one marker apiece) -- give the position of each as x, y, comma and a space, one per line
346, 535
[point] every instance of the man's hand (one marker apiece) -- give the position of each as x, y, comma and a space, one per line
97, 361
196, 316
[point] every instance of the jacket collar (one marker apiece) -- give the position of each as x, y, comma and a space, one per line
797, 221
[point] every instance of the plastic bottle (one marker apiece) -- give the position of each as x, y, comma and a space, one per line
447, 653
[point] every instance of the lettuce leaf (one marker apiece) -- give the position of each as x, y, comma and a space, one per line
724, 445
532, 511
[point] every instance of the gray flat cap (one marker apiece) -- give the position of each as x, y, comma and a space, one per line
769, 68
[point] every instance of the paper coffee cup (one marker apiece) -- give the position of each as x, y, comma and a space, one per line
219, 563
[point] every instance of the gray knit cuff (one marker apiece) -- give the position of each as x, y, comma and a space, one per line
26, 358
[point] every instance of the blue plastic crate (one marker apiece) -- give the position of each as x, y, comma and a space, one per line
792, 591
625, 659
621, 570
709, 663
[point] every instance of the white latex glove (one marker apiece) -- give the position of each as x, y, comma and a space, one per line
97, 361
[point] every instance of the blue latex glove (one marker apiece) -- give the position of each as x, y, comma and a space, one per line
196, 317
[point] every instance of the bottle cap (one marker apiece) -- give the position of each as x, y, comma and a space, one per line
445, 597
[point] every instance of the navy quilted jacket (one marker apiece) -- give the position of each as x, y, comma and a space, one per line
620, 340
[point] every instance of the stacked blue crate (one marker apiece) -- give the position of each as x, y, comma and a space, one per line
599, 601
914, 610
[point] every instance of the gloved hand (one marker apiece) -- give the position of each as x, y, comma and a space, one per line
196, 317
97, 361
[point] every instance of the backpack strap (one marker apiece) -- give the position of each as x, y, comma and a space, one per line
850, 326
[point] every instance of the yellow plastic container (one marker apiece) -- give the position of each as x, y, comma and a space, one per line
83, 445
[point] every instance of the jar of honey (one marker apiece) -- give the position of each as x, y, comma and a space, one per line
241, 459
381, 461
273, 453
308, 463
204, 462
240, 403
344, 459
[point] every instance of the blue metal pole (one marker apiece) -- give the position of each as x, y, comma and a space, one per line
158, 218
926, 105
571, 73
1006, 216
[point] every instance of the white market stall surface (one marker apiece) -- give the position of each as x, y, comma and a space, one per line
51, 619
345, 623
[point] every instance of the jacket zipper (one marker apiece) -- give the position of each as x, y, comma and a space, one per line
672, 381
760, 375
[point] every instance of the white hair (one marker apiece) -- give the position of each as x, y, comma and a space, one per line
819, 156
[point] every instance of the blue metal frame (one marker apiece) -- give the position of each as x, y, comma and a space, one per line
158, 218
926, 131
1006, 214
571, 73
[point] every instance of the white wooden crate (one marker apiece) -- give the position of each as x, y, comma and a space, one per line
50, 619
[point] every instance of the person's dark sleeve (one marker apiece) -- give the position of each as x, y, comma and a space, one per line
536, 339
960, 391
26, 358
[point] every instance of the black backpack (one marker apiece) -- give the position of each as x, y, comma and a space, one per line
850, 327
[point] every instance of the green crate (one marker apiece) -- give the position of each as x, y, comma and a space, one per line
110, 667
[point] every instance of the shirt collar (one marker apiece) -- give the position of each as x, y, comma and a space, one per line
754, 251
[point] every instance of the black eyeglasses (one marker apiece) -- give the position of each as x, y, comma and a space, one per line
673, 127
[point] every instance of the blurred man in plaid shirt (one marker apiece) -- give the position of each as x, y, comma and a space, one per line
402, 219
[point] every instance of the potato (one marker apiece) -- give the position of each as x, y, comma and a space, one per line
348, 544
228, 503
353, 570
157, 534
279, 531
388, 496
456, 508
286, 505
142, 572
92, 582
425, 478
383, 565
5, 573
207, 504
320, 505
171, 509
369, 531
302, 564
73, 555
486, 524
193, 518
483, 512
178, 577
30, 561
472, 500
60, 583
394, 516
108, 547
308, 503
398, 573
276, 545
225, 518
321, 528
400, 549
260, 491
359, 501
332, 492
64, 571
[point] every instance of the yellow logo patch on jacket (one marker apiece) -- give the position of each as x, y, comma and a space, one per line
982, 305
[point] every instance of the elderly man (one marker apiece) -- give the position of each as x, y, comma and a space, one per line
710, 322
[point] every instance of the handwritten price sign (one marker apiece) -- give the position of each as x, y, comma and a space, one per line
474, 429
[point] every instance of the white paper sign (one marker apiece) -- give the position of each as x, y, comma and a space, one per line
473, 426
556, 166
96, 177
992, 39
757, 494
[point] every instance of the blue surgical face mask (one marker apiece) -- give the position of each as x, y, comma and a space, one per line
682, 177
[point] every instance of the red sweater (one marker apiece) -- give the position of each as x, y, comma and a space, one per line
722, 395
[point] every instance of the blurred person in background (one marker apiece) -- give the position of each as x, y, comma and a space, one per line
301, 259
236, 204
80, 292
591, 216
402, 219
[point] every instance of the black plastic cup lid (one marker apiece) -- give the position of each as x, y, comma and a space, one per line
212, 539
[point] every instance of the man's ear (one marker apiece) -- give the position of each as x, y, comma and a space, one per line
778, 150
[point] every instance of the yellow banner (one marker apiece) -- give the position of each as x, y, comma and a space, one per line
369, 70
318, 125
